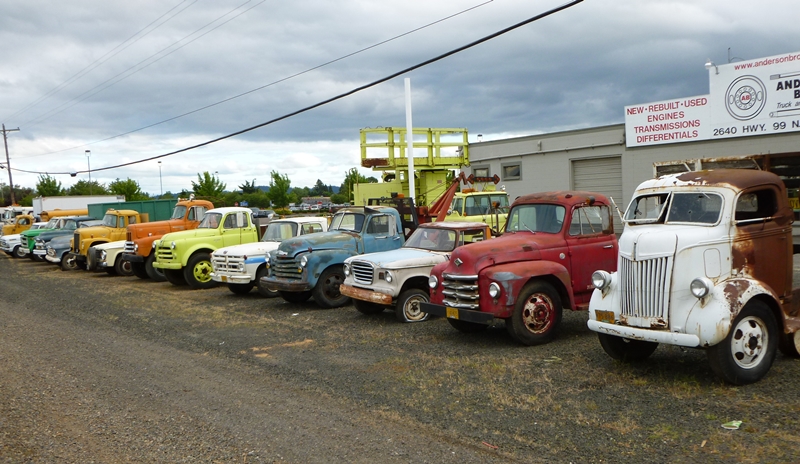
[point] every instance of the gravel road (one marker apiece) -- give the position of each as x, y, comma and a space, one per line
97, 368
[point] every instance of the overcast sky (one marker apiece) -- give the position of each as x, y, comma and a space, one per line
81, 74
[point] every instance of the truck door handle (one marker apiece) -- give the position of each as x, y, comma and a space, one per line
608, 246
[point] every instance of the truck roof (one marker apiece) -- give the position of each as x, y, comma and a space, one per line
301, 219
563, 197
737, 179
228, 209
454, 225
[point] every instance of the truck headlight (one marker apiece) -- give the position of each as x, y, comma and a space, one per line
433, 281
601, 280
494, 290
135, 247
172, 245
701, 287
346, 269
103, 255
303, 260
388, 277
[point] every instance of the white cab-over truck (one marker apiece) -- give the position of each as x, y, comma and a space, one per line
242, 266
705, 261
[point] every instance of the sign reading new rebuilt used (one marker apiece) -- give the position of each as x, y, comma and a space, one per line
746, 98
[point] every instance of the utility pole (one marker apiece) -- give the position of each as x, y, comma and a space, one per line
8, 163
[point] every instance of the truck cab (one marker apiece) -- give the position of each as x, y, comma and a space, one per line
487, 206
541, 264
705, 262
18, 224
115, 224
312, 266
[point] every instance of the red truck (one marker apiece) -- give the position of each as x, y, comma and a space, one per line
140, 237
544, 261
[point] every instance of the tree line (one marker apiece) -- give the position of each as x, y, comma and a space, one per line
279, 194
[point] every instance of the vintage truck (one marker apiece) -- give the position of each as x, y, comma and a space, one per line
186, 215
705, 262
185, 256
18, 224
108, 257
66, 228
399, 278
487, 206
115, 226
55, 244
241, 267
12, 244
544, 261
304, 267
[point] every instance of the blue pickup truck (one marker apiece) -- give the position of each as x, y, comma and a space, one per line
312, 266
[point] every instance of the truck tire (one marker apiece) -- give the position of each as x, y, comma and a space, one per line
466, 326
368, 308
241, 289
625, 349
326, 292
537, 314
746, 354
139, 270
262, 290
198, 271
69, 263
788, 345
296, 297
174, 276
407, 307
17, 253
156, 275
123, 267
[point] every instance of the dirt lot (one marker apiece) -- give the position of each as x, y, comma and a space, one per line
95, 368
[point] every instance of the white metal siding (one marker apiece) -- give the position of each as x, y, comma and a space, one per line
602, 175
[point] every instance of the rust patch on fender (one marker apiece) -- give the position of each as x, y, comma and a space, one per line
733, 292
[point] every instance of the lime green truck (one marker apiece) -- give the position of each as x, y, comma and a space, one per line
185, 256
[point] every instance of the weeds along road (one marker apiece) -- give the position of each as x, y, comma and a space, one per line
95, 368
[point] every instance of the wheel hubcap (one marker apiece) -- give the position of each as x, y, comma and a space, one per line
202, 271
537, 316
412, 310
749, 341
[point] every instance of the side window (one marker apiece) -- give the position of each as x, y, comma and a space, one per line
589, 220
480, 171
512, 171
458, 204
756, 205
230, 221
191, 216
311, 228
131, 220
381, 225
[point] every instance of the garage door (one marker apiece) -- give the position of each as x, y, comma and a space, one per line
602, 175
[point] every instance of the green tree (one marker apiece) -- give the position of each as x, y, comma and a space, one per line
339, 199
351, 178
249, 187
84, 187
128, 187
48, 186
279, 189
208, 186
319, 189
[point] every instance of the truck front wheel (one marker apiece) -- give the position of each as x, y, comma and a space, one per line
156, 275
18, 252
326, 292
536, 315
746, 354
625, 349
123, 267
139, 270
407, 308
174, 276
198, 271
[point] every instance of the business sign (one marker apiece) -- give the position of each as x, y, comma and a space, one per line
746, 98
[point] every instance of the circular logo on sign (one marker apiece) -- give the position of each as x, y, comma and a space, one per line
745, 98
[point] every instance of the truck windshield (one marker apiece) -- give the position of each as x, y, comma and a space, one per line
51, 224
70, 224
179, 212
348, 221
675, 207
110, 220
433, 239
279, 231
210, 221
536, 218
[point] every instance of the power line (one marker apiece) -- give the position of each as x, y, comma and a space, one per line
283, 79
340, 96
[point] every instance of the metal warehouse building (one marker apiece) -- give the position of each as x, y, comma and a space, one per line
750, 118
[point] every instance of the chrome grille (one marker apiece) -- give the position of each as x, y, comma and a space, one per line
229, 264
129, 246
286, 267
76, 243
460, 291
23, 240
164, 253
645, 287
362, 271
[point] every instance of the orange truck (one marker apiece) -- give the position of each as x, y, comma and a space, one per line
140, 237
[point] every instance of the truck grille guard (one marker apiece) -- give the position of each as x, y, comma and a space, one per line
363, 272
228, 264
164, 253
461, 291
644, 288
285, 267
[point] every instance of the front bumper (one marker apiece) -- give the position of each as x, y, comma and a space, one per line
648, 335
231, 279
133, 258
173, 266
466, 315
365, 295
281, 285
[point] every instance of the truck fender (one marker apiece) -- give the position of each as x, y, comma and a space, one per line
203, 247
513, 276
711, 317
319, 261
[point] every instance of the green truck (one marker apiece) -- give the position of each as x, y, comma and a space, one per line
185, 256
